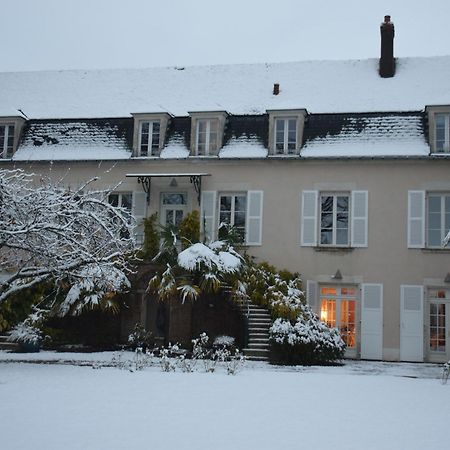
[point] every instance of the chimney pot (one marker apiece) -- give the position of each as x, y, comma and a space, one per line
276, 88
387, 61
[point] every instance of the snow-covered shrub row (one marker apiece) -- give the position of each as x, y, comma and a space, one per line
25, 333
306, 340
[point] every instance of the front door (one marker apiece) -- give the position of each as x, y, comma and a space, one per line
338, 310
173, 208
438, 315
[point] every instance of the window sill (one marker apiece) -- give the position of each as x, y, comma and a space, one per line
334, 249
435, 250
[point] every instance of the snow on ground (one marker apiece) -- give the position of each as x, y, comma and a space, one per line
361, 405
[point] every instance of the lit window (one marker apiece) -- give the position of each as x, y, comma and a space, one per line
334, 219
207, 137
149, 138
338, 310
442, 133
232, 212
286, 135
6, 141
438, 311
438, 219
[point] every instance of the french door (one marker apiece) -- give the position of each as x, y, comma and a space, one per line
438, 336
338, 309
173, 208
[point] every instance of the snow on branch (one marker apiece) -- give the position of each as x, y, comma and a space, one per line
71, 238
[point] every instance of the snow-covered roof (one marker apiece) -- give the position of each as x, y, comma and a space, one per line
318, 86
75, 140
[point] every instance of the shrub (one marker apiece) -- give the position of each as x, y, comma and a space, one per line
189, 229
305, 341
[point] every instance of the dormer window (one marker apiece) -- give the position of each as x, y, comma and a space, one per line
149, 138
442, 137
439, 128
286, 131
149, 133
286, 135
6, 141
207, 132
10, 129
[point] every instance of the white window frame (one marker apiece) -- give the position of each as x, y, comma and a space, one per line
233, 195
120, 196
286, 114
4, 154
433, 112
208, 117
151, 151
141, 118
209, 150
334, 227
285, 150
443, 212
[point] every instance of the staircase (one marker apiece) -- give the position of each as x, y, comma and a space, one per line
259, 322
8, 346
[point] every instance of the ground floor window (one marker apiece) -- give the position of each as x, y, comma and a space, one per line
438, 311
173, 208
338, 309
122, 199
233, 211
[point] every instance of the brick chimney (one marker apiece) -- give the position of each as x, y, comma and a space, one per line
387, 61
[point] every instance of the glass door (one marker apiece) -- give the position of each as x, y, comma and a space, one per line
338, 310
438, 311
173, 208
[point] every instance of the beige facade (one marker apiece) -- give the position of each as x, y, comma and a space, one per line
386, 261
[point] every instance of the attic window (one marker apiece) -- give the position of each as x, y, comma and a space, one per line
439, 128
149, 133
6, 140
286, 131
207, 130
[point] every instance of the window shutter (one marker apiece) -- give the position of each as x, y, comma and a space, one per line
308, 236
208, 214
254, 218
372, 321
139, 211
311, 294
411, 323
416, 219
359, 218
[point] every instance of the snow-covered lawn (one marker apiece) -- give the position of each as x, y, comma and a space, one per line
359, 406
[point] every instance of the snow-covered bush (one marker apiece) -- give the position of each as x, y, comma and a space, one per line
140, 338
24, 333
306, 340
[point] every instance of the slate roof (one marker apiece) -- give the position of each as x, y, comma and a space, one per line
76, 139
242, 89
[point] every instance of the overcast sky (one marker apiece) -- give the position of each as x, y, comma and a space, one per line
90, 34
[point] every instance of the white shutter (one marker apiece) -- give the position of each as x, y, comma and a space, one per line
308, 233
411, 323
139, 211
359, 219
416, 219
208, 214
311, 294
372, 321
254, 218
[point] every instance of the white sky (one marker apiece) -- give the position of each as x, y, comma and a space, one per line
89, 34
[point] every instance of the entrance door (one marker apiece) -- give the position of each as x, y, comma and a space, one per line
173, 207
438, 314
338, 309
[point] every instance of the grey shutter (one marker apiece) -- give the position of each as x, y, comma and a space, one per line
311, 294
359, 223
139, 211
411, 323
372, 321
416, 219
254, 218
308, 235
208, 215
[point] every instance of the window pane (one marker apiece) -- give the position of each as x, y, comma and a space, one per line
113, 199
347, 322
328, 291
327, 203
178, 217
292, 126
127, 201
174, 198
342, 203
434, 204
326, 237
280, 126
328, 312
342, 237
434, 238
225, 203
201, 127
326, 220
225, 217
434, 221
240, 203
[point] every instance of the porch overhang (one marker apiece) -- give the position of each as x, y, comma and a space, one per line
146, 180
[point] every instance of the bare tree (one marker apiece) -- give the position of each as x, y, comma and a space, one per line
71, 239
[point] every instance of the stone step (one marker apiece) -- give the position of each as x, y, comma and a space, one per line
259, 339
258, 329
256, 354
255, 320
258, 345
258, 334
10, 346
